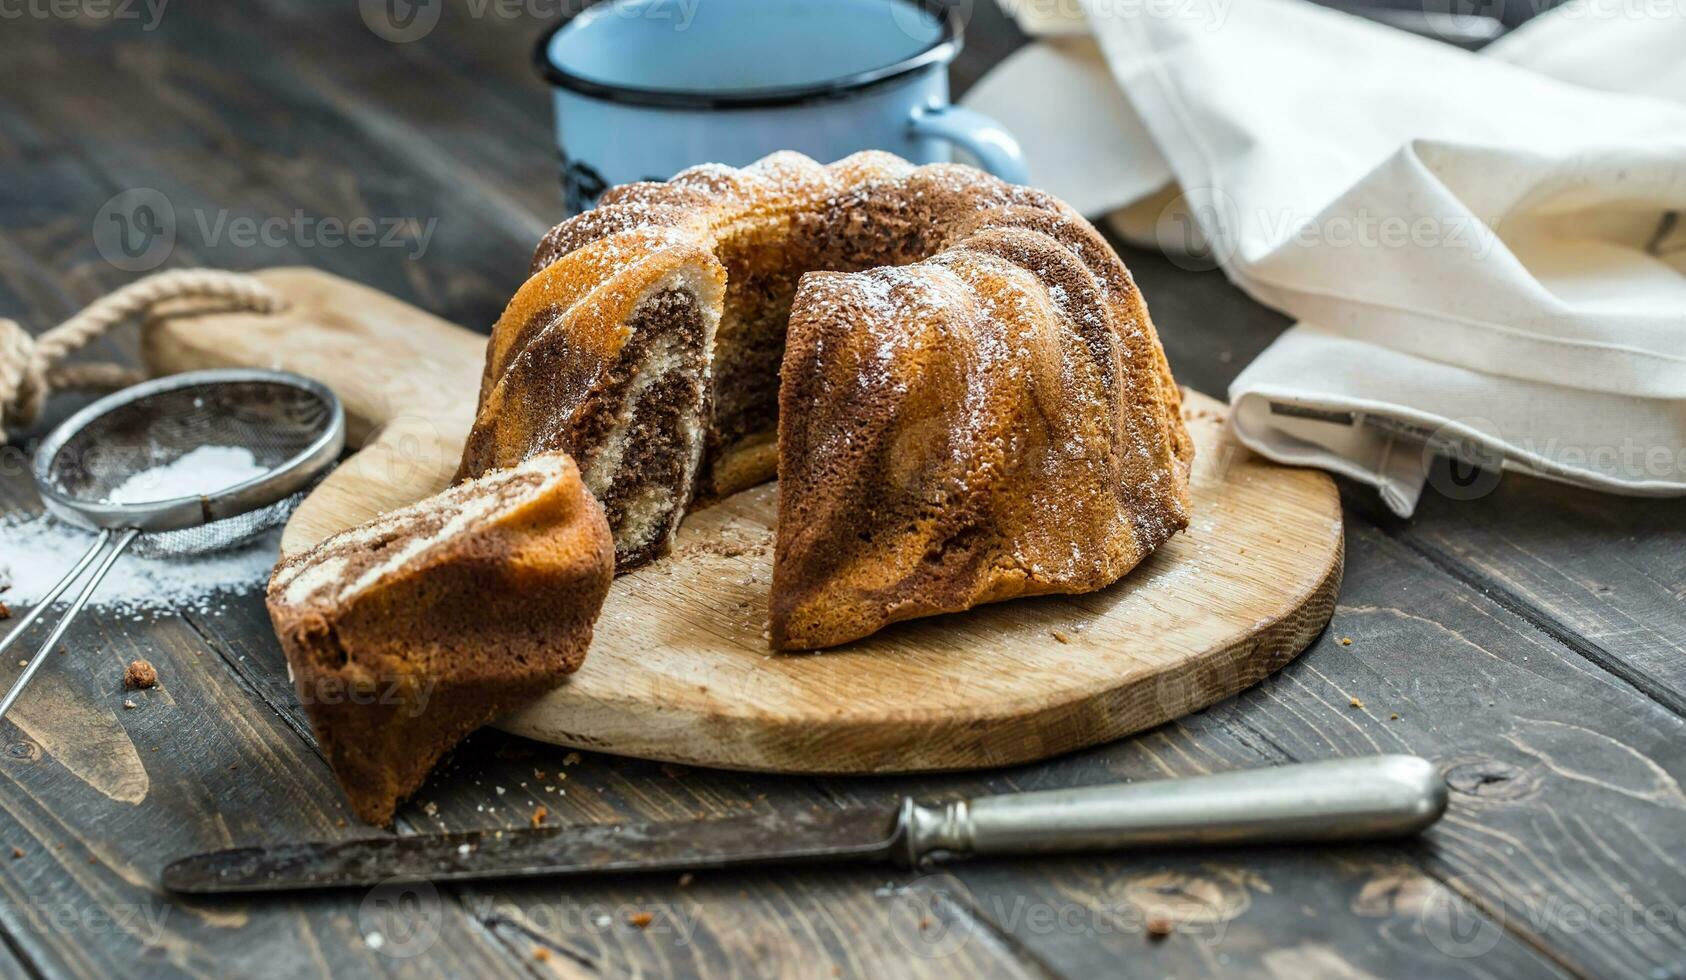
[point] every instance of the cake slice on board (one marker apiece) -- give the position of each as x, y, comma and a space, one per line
407, 633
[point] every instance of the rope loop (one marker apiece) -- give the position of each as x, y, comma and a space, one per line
32, 368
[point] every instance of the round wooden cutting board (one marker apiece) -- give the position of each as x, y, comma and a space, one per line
679, 669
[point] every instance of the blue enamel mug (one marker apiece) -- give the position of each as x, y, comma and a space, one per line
645, 88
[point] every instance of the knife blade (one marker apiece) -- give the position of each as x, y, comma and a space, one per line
1341, 799
801, 837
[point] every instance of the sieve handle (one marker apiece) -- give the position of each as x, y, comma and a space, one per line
52, 596
63, 625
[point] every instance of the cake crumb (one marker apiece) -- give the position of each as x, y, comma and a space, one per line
686, 879
1346, 641
571, 759
539, 814
430, 808
1159, 926
1393, 717
17, 852
1356, 702
139, 676
641, 919
5, 611
128, 704
1061, 636
541, 954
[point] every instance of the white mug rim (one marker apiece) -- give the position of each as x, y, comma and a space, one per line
939, 52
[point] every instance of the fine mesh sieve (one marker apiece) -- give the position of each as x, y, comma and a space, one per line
294, 428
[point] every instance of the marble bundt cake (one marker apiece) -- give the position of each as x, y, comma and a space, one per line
649, 340
962, 431
409, 632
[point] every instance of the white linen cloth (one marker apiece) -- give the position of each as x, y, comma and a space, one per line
1486, 261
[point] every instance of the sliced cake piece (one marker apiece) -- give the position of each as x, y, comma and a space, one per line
611, 364
409, 632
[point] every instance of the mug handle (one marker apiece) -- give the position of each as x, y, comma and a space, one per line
977, 134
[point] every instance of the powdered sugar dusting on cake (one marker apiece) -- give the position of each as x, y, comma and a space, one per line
995, 344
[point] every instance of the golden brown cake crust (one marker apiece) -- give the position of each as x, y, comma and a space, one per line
1091, 402
952, 434
394, 665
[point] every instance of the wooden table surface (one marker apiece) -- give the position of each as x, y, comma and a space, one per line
1529, 641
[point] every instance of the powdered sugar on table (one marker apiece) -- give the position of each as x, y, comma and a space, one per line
36, 551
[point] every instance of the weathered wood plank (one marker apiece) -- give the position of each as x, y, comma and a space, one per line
1371, 908
1564, 777
794, 923
1605, 575
252, 173
1554, 834
97, 797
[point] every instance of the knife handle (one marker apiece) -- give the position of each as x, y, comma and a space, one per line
1341, 799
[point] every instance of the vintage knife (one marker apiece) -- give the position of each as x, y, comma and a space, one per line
1343, 799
